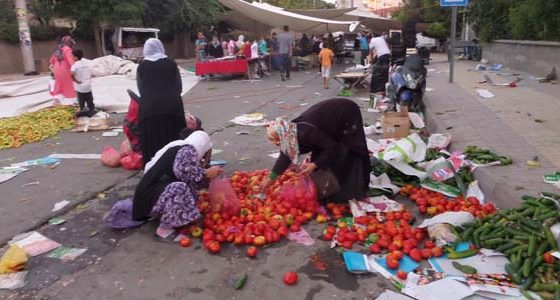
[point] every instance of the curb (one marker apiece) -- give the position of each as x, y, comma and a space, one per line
502, 194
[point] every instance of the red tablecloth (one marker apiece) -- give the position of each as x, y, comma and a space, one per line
222, 67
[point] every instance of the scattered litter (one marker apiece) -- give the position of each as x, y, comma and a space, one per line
244, 158
552, 178
36, 162
243, 133
34, 243
66, 254
56, 221
110, 133
216, 151
60, 205
253, 119
218, 162
118, 129
441, 289
54, 165
293, 86
455, 218
416, 120
383, 182
539, 121
365, 99
13, 281
30, 184
484, 93
301, 237
374, 205
431, 70
8, 173
93, 233
13, 260
428, 89
274, 155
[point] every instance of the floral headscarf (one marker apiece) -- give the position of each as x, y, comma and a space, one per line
287, 132
65, 41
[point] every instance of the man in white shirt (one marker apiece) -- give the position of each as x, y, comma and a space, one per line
81, 76
380, 54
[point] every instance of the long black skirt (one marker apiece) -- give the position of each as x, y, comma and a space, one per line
350, 171
156, 132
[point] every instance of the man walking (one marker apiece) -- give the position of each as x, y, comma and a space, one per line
285, 47
380, 54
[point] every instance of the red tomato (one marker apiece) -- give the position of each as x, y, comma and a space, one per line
473, 201
375, 249
489, 208
252, 252
437, 251
347, 244
259, 241
426, 253
290, 278
327, 237
402, 275
548, 258
392, 263
415, 254
185, 242
429, 244
397, 254
214, 247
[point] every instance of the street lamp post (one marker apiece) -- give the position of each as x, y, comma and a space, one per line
25, 38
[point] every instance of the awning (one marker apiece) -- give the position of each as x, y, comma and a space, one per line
278, 17
368, 19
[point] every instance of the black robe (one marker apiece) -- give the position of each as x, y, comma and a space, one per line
162, 115
332, 130
152, 185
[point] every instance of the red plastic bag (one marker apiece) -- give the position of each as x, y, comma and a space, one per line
133, 161
110, 157
222, 197
302, 194
125, 149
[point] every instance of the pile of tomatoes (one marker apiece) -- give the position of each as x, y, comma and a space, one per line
259, 221
433, 203
395, 234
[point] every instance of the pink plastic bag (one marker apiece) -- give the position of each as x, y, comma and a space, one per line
222, 197
302, 194
110, 157
133, 161
125, 149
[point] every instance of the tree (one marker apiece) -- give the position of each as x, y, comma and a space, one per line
91, 14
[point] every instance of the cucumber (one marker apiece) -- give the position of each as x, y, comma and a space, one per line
464, 268
240, 282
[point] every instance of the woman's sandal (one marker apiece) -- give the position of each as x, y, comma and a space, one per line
172, 238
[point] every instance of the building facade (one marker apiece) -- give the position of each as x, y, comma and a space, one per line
384, 8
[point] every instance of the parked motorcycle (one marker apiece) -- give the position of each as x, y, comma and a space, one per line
407, 83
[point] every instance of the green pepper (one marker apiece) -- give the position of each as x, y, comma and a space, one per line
372, 238
464, 268
462, 254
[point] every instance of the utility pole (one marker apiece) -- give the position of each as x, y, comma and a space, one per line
25, 38
452, 42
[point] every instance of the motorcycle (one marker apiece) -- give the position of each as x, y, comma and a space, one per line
407, 83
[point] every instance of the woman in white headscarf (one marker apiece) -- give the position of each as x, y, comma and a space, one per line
162, 114
169, 188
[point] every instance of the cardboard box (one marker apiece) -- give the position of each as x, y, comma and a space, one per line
395, 125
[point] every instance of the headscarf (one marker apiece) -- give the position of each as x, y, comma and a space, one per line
200, 140
153, 50
287, 134
240, 42
215, 41
65, 41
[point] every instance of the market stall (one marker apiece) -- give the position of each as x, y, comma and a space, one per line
220, 66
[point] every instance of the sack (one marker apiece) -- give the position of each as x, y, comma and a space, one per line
325, 182
222, 197
301, 194
133, 161
110, 157
120, 216
125, 149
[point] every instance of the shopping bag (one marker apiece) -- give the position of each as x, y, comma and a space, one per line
222, 196
110, 157
300, 194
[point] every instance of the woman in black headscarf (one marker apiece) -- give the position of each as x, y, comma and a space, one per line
332, 131
162, 115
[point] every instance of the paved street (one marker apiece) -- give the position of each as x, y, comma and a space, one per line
130, 264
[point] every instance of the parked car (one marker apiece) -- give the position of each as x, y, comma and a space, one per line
126, 42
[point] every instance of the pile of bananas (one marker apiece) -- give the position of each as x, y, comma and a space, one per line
35, 126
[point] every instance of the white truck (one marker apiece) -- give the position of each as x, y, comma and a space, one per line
126, 42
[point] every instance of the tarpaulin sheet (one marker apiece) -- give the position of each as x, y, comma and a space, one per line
277, 17
222, 67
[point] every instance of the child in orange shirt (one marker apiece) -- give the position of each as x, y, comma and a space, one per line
326, 58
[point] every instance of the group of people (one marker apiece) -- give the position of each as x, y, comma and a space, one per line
71, 77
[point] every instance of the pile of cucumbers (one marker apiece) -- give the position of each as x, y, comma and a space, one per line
524, 235
482, 156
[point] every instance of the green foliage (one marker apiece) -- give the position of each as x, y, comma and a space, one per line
438, 30
8, 24
522, 19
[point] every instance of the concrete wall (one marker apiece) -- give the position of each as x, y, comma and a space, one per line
11, 62
534, 57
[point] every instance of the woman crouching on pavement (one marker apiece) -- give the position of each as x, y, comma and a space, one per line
169, 188
332, 131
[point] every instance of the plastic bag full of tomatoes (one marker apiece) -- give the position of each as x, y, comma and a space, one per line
222, 197
300, 193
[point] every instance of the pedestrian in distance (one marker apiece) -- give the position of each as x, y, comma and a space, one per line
380, 56
326, 58
60, 63
81, 76
285, 50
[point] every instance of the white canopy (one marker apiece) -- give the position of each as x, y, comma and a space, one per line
278, 17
